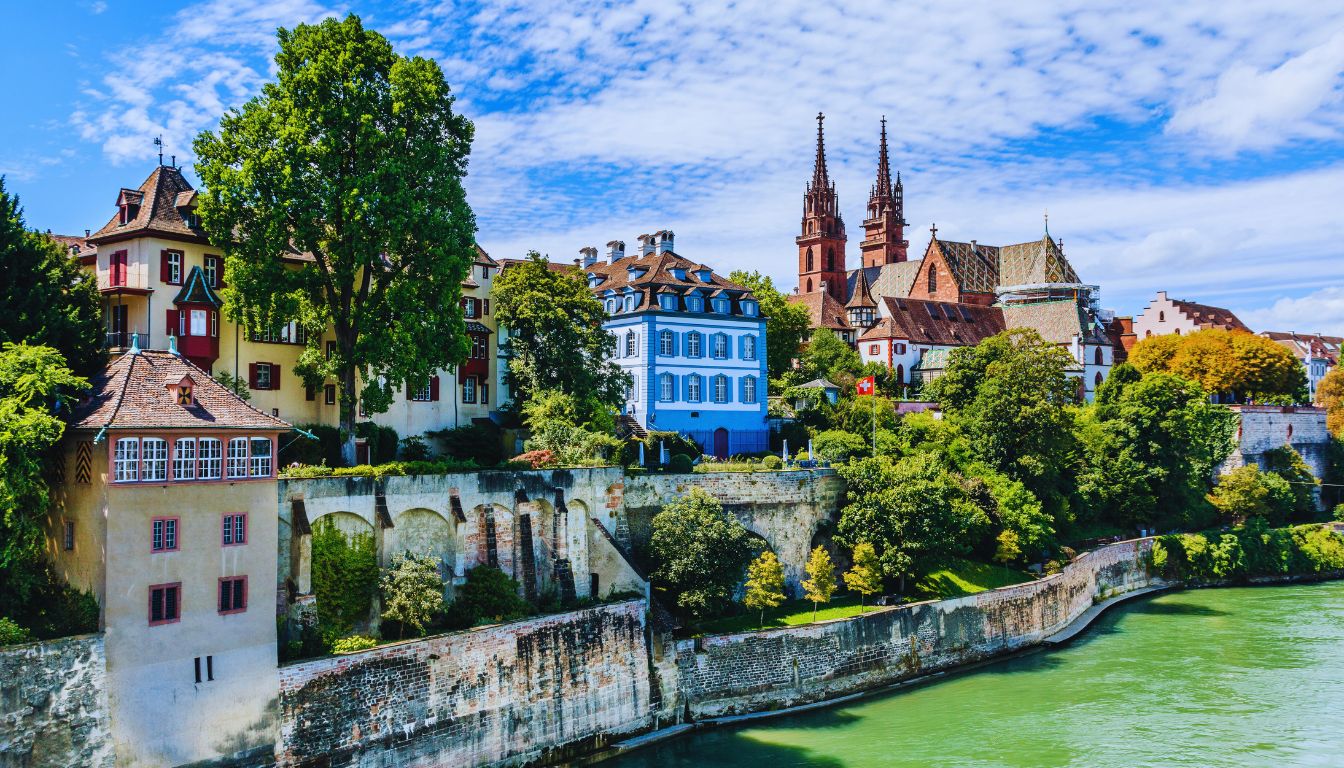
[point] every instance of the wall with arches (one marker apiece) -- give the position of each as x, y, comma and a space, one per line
1263, 428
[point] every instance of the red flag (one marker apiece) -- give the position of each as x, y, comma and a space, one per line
866, 386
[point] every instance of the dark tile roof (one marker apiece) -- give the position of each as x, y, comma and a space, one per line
660, 270
860, 294
131, 393
886, 280
159, 198
936, 322
1206, 316
824, 310
196, 291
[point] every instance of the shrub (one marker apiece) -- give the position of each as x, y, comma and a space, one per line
54, 608
480, 442
772, 462
382, 441
345, 576
542, 459
680, 463
489, 595
674, 442
412, 592
353, 643
837, 446
700, 552
11, 633
572, 445
414, 448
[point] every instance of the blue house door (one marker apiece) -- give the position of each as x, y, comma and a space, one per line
720, 443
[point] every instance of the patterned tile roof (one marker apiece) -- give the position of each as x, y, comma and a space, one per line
1037, 262
975, 267
1057, 321
935, 322
132, 393
886, 280
824, 310
159, 198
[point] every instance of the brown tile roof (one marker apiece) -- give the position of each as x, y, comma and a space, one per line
483, 259
936, 322
158, 197
824, 310
660, 270
1056, 321
1037, 262
1206, 316
859, 292
78, 245
1304, 345
131, 393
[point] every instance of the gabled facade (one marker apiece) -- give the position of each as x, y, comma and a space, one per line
908, 330
161, 278
693, 343
1165, 315
167, 514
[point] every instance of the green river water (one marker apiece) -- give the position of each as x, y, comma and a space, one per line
1218, 677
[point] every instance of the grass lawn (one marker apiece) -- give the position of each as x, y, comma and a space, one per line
792, 612
965, 577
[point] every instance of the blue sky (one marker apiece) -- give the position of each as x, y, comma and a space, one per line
1197, 149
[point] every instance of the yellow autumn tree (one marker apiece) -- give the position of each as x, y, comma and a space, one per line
1330, 394
820, 583
1253, 368
765, 583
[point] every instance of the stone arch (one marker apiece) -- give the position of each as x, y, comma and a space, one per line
349, 523
425, 532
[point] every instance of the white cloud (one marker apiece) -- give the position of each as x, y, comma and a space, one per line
1255, 108
1320, 311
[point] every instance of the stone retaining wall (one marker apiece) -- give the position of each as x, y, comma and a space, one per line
772, 669
53, 704
534, 690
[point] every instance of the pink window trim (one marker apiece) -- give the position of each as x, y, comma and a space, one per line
223, 579
177, 534
171, 439
150, 608
229, 517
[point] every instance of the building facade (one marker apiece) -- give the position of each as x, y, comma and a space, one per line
167, 514
692, 342
1318, 354
160, 278
1165, 315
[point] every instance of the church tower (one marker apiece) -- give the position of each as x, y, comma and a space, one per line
821, 246
884, 228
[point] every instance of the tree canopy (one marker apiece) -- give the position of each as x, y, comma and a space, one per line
48, 299
337, 194
555, 336
1235, 364
786, 324
1330, 394
700, 552
828, 356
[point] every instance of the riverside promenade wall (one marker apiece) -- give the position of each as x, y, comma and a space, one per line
53, 704
528, 692
773, 669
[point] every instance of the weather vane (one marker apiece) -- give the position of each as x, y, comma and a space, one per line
158, 142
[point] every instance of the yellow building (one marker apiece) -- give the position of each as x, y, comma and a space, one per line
160, 277
166, 513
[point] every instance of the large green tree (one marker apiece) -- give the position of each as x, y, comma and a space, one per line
786, 324
47, 299
700, 552
555, 336
337, 193
36, 390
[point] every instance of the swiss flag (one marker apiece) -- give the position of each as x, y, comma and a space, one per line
866, 386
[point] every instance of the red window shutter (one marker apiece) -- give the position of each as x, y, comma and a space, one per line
252, 375
275, 376
172, 322
164, 274
433, 388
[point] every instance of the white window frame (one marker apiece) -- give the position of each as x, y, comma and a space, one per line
631, 345
693, 342
720, 349
263, 376
153, 459
693, 392
749, 389
666, 388
665, 343
421, 394
210, 458
126, 460
199, 323
184, 458
237, 459
469, 390
748, 347
260, 457
175, 267
720, 388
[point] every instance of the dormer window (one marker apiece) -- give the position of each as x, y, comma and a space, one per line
721, 306
668, 302
181, 389
749, 308
694, 304
679, 273
703, 275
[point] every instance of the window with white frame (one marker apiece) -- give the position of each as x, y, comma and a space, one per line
720, 389
665, 391
211, 452
748, 347
154, 459
665, 343
469, 389
668, 302
720, 350
630, 345
199, 326
693, 388
693, 344
175, 267
263, 376
629, 303
749, 389
421, 393
235, 529
212, 271
163, 534
238, 457
126, 460
261, 457
634, 389
184, 458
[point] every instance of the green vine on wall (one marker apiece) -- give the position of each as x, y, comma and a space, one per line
345, 578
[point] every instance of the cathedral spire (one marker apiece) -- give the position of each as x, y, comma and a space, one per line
883, 167
821, 239
820, 179
884, 241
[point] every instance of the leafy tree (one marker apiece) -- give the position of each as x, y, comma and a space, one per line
555, 336
820, 583
865, 575
1017, 512
235, 384
699, 552
1288, 464
915, 512
786, 324
837, 446
48, 299
1008, 549
412, 592
1246, 493
765, 583
1330, 394
35, 391
338, 191
1233, 364
828, 356
1010, 396
345, 578
490, 595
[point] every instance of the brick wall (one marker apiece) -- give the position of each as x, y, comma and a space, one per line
754, 671
53, 704
504, 695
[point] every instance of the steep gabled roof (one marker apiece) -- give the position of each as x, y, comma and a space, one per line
1207, 316
859, 294
1032, 263
975, 267
662, 273
130, 394
195, 290
824, 310
935, 322
158, 198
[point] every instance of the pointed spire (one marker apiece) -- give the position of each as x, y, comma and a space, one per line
883, 167
862, 295
820, 179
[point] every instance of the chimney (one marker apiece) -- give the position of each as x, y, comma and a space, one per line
86, 234
646, 245
665, 241
589, 254
615, 251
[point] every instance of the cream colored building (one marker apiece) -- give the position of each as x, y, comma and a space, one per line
166, 513
160, 276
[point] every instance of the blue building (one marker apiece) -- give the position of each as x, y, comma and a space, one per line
693, 342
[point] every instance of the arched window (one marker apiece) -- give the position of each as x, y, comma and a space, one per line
1101, 359
900, 374
1177, 331
933, 278
748, 347
693, 344
665, 390
630, 346
1098, 379
749, 389
665, 343
830, 258
809, 285
809, 262
720, 388
1161, 317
